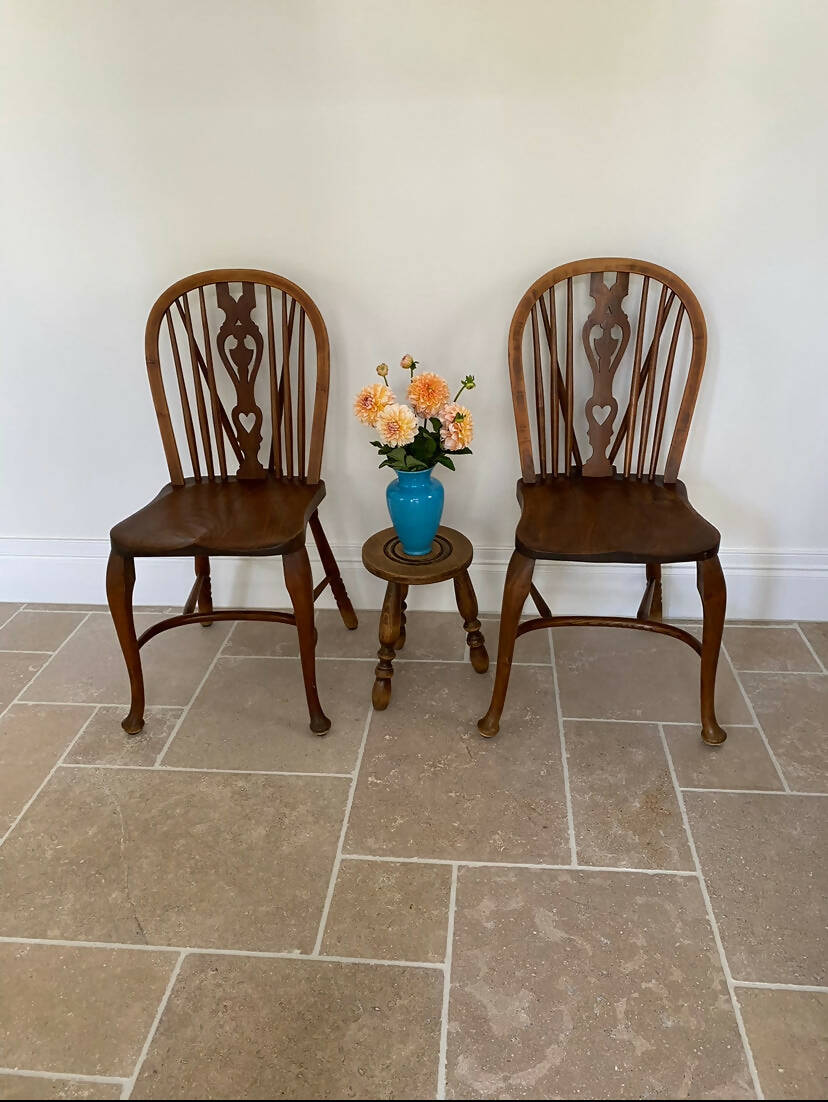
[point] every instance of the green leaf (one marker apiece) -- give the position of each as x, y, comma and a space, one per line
446, 462
375, 443
435, 424
385, 463
462, 451
414, 464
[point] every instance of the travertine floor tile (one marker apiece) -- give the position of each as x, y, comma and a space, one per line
104, 742
817, 636
32, 738
788, 1033
793, 711
35, 631
90, 669
588, 985
7, 610
532, 647
741, 762
389, 911
429, 635
623, 802
15, 671
202, 859
763, 858
637, 676
251, 713
770, 648
31, 1087
430, 786
258, 1028
78, 1010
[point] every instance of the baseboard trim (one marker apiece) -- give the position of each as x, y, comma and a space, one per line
762, 584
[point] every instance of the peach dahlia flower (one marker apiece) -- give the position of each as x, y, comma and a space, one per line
457, 430
371, 401
428, 393
397, 425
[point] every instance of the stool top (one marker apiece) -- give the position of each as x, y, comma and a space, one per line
383, 556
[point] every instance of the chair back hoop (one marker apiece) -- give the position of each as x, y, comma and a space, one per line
591, 332
247, 397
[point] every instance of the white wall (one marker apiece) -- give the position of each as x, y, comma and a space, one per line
415, 166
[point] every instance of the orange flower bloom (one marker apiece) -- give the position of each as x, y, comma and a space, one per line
457, 430
428, 393
397, 425
371, 401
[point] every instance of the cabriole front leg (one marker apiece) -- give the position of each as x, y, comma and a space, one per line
299, 582
120, 581
515, 592
713, 592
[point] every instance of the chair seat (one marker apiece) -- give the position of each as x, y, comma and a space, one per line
262, 517
611, 520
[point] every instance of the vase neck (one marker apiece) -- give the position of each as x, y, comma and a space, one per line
414, 474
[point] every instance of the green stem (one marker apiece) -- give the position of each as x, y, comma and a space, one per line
459, 392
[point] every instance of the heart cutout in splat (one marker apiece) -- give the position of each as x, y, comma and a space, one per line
601, 413
247, 421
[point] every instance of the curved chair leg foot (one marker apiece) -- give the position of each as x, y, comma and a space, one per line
713, 592
133, 724
515, 591
299, 581
713, 735
120, 580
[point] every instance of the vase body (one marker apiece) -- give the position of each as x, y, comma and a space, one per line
415, 502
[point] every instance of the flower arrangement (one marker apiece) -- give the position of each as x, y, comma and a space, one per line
405, 443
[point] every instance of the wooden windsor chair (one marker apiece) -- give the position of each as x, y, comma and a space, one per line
613, 505
263, 508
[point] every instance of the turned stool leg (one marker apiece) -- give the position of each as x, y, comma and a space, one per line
400, 643
467, 607
389, 633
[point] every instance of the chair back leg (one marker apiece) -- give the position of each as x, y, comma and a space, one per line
713, 592
120, 581
329, 565
515, 592
299, 582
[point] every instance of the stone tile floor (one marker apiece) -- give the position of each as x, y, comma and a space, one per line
592, 905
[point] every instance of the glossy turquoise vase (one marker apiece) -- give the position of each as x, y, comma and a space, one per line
415, 502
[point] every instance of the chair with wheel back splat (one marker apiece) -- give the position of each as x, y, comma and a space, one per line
623, 502
244, 399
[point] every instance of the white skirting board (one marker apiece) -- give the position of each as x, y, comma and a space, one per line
762, 584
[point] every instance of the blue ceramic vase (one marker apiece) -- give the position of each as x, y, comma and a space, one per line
415, 502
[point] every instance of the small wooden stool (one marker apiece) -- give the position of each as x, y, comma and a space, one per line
450, 555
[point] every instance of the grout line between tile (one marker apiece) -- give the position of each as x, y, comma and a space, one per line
807, 643
195, 769
130, 1083
514, 865
40, 670
207, 951
17, 650
711, 917
755, 718
785, 673
754, 791
338, 858
570, 818
49, 775
199, 687
441, 1067
73, 1076
781, 986
352, 658
652, 722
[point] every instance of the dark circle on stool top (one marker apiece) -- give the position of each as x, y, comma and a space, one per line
440, 549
